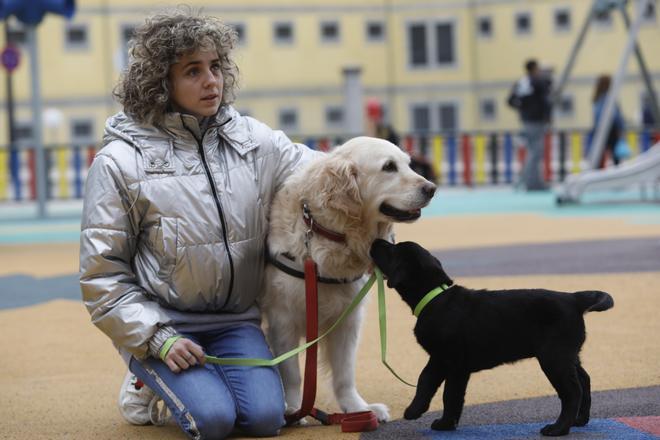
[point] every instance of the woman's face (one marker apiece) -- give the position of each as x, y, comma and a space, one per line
196, 83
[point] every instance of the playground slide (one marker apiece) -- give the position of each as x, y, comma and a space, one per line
643, 169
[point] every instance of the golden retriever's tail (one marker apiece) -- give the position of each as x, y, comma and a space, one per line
594, 301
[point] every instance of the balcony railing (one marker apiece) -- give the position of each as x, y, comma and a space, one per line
463, 158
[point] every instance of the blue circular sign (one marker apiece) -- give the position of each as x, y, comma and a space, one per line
10, 57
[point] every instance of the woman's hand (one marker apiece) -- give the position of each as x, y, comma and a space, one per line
184, 354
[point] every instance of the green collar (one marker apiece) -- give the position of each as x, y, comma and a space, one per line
428, 297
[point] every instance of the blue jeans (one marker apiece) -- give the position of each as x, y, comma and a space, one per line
209, 401
530, 176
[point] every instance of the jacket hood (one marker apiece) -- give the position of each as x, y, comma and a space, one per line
123, 127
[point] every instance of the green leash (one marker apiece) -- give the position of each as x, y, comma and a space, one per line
377, 275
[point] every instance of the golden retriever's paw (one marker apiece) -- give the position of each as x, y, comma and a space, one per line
291, 410
381, 410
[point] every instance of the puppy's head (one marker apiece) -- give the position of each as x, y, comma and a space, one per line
410, 269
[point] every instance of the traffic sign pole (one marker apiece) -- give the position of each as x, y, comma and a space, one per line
37, 121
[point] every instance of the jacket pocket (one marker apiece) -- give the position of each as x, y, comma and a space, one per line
169, 232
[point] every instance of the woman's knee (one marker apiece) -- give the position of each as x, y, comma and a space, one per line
209, 422
264, 419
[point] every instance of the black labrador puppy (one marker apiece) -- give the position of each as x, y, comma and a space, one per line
465, 331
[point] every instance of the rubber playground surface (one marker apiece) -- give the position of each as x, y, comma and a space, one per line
59, 376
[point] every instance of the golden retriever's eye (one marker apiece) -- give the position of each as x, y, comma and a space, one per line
390, 166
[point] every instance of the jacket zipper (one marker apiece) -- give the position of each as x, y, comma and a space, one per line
218, 205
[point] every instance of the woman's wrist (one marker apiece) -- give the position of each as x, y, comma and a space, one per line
158, 339
167, 345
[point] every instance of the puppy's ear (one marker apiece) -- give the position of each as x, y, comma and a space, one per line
338, 187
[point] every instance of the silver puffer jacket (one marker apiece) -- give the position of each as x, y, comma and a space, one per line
174, 224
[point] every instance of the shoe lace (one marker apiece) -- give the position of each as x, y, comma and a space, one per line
158, 416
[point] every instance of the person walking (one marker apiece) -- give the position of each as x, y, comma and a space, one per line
173, 232
616, 128
530, 97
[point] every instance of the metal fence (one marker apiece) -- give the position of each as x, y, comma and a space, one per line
463, 158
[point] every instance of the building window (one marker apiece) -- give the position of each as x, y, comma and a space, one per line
566, 107
375, 31
23, 132
240, 32
76, 36
417, 39
444, 34
421, 118
125, 35
288, 119
650, 13
329, 32
488, 109
562, 20
447, 117
523, 23
283, 33
16, 34
485, 27
82, 131
334, 117
603, 17
431, 47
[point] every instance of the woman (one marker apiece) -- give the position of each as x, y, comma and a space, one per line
173, 229
616, 128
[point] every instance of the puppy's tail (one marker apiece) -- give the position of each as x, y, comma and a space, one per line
594, 301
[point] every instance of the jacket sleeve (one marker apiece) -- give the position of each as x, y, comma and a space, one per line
118, 306
290, 156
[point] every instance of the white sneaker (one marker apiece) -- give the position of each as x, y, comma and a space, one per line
138, 404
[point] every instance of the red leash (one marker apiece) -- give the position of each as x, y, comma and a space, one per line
350, 422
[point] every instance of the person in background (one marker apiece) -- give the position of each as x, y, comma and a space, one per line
616, 128
378, 127
173, 233
530, 97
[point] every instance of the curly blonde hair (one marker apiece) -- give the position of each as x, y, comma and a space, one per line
144, 88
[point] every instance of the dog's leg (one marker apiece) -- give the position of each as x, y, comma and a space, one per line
280, 342
564, 378
585, 404
453, 399
341, 350
428, 383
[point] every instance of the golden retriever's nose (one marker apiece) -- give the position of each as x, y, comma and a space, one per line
428, 189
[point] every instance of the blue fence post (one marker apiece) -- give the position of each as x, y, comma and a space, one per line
77, 169
508, 158
15, 170
451, 155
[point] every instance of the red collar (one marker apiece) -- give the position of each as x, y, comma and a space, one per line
315, 227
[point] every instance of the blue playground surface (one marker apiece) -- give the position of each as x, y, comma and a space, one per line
19, 225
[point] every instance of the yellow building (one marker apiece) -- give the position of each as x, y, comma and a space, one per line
442, 64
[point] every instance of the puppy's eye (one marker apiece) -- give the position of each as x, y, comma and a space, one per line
390, 167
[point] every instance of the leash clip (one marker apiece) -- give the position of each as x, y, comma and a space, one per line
307, 215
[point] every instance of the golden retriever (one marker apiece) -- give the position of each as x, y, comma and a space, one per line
357, 190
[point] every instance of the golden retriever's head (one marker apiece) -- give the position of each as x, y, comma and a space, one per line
375, 179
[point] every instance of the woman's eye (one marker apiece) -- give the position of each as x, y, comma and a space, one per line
390, 166
192, 72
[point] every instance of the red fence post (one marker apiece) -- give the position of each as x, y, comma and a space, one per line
547, 156
467, 160
32, 180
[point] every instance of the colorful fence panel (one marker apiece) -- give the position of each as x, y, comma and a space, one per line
470, 159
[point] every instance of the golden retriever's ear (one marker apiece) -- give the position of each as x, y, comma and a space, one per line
338, 187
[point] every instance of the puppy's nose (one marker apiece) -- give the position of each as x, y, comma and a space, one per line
428, 189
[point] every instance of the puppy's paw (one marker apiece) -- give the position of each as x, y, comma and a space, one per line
554, 430
581, 420
443, 425
381, 410
413, 412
